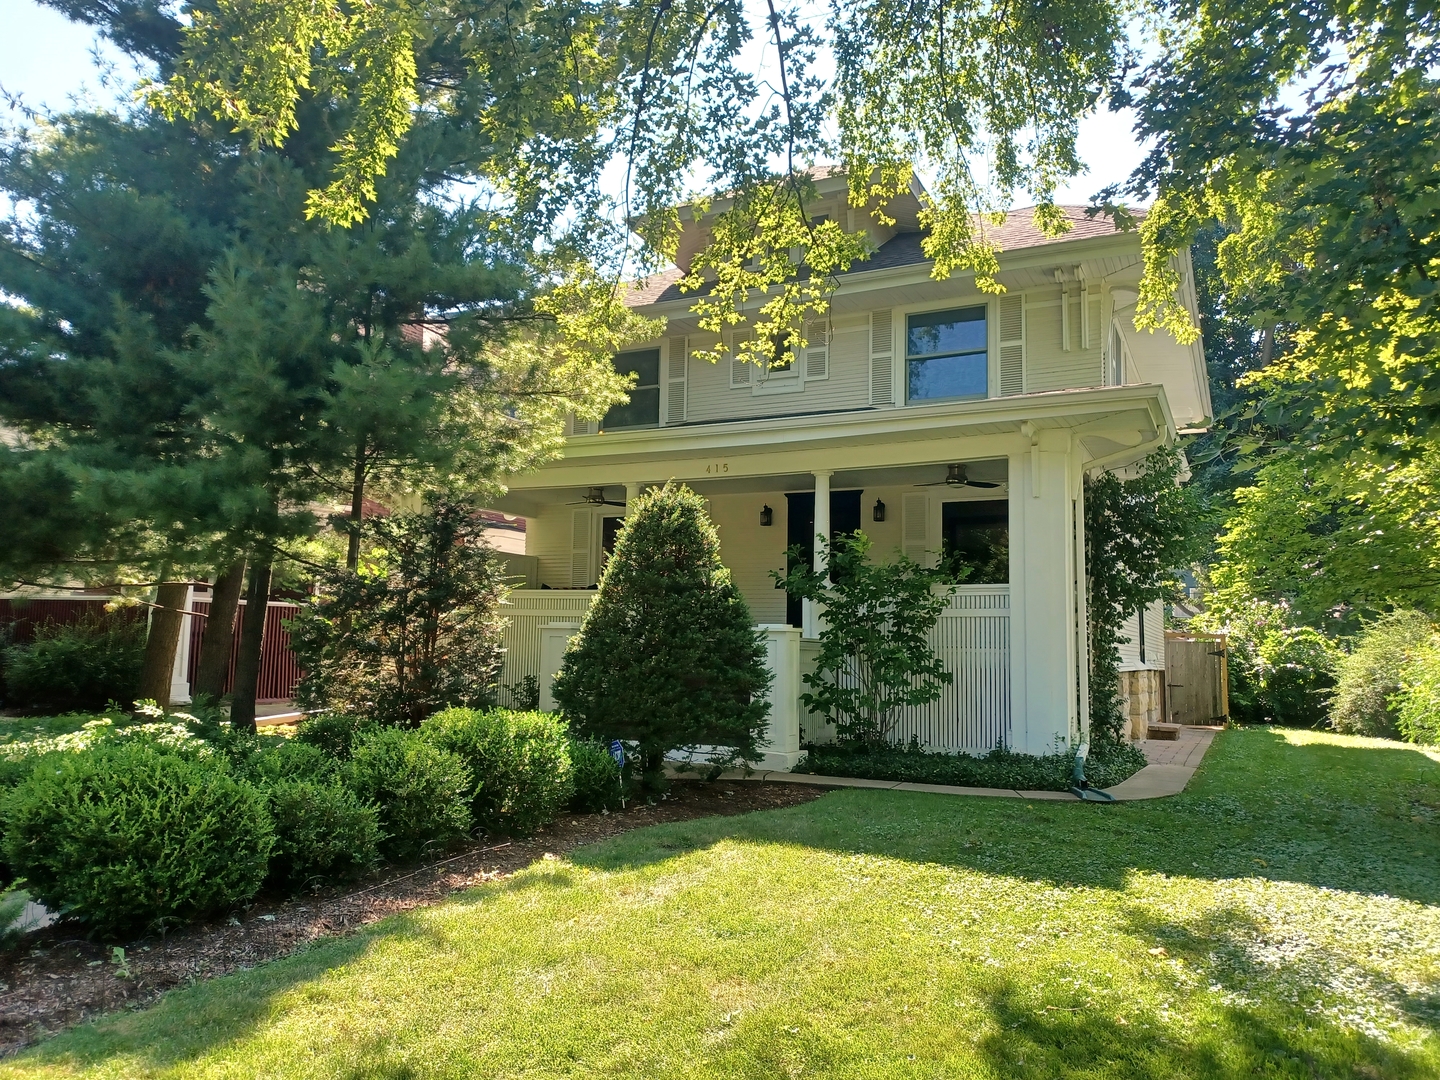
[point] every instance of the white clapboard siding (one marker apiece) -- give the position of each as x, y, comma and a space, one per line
1012, 344
817, 350
972, 713
882, 357
740, 371
676, 365
915, 526
581, 522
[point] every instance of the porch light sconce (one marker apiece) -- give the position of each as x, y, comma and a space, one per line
879, 513
767, 516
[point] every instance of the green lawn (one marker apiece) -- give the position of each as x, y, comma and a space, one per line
1278, 919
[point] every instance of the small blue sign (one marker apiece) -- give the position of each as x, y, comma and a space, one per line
617, 752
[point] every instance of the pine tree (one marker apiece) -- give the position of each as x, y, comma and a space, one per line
667, 656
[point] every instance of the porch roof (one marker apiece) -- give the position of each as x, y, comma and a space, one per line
1110, 426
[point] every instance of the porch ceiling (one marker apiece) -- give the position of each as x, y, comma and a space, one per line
993, 470
1103, 424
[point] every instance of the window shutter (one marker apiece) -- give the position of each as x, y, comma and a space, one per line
817, 352
582, 427
914, 509
740, 372
1012, 344
882, 358
675, 382
580, 521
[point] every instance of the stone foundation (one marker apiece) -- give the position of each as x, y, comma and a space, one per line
1143, 696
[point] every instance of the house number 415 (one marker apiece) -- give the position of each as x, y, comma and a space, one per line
717, 468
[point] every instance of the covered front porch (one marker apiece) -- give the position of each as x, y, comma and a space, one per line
1013, 634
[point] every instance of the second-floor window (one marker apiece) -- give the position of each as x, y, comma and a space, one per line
945, 354
643, 409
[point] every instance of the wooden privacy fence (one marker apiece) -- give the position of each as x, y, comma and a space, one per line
23, 614
1197, 678
278, 670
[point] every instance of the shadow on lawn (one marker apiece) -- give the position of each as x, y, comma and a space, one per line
1088, 1041
1261, 807
1330, 816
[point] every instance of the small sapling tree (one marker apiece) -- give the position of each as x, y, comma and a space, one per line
414, 629
667, 656
875, 656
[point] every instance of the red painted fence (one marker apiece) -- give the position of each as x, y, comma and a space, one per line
278, 670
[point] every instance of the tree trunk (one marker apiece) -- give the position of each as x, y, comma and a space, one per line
165, 623
252, 637
219, 637
357, 508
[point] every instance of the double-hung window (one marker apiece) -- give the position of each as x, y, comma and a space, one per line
643, 408
945, 354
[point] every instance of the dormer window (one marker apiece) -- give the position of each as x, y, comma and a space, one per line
782, 354
643, 408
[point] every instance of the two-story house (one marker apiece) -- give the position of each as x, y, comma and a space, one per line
940, 419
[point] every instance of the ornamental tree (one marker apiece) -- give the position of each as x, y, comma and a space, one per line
413, 629
667, 656
875, 655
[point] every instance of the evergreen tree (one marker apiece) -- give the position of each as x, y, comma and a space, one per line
667, 656
195, 368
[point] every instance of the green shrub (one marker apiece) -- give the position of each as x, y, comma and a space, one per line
323, 834
80, 666
130, 838
519, 761
290, 759
1280, 673
422, 792
596, 777
1109, 763
1417, 702
335, 733
1368, 678
668, 656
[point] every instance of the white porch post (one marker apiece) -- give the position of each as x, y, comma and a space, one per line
782, 657
811, 611
179, 674
632, 492
1045, 594
554, 640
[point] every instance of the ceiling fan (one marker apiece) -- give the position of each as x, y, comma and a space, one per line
955, 476
595, 497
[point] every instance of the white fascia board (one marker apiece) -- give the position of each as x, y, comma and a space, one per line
890, 277
879, 437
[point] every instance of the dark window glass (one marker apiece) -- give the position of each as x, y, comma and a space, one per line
976, 534
643, 409
945, 354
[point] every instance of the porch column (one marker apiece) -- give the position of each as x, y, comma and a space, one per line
1046, 564
812, 612
632, 492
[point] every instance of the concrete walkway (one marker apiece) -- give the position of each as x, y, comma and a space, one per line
1171, 766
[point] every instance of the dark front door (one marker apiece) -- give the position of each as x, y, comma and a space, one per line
800, 531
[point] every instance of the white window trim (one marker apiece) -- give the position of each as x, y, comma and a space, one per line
992, 349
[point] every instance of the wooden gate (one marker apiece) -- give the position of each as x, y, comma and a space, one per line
1197, 678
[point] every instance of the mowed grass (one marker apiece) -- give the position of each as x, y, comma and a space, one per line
1278, 919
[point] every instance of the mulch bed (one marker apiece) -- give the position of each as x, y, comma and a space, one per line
55, 978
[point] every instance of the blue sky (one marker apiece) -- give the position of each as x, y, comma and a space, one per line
47, 60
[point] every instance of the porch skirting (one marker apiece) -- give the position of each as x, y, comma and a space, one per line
972, 637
